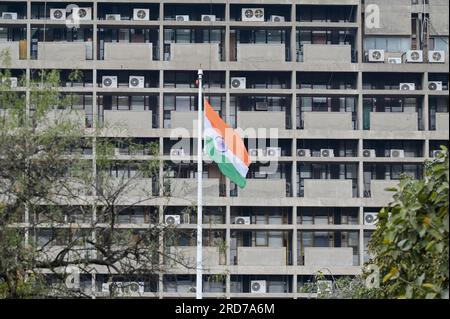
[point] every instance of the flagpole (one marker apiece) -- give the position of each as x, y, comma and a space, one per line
199, 288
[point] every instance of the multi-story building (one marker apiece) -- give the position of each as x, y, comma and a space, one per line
357, 90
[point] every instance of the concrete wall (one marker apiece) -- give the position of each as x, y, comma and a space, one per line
442, 122
75, 118
255, 120
195, 52
394, 17
183, 120
134, 123
128, 51
188, 255
328, 121
187, 188
328, 188
378, 192
391, 121
261, 256
136, 188
270, 188
328, 256
439, 17
325, 53
261, 52
12, 47
62, 51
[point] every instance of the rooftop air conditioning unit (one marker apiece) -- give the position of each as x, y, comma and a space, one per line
414, 56
177, 152
182, 18
113, 17
173, 219
398, 153
327, 153
436, 56
370, 219
136, 82
304, 153
435, 86
407, 86
82, 13
9, 15
395, 60
124, 289
369, 153
239, 83
242, 221
261, 106
258, 286
324, 286
376, 56
109, 82
273, 152
274, 18
208, 17
256, 152
253, 15
141, 14
58, 14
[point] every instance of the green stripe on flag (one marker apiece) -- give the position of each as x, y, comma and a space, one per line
226, 167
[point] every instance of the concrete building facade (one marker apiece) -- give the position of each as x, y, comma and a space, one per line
356, 92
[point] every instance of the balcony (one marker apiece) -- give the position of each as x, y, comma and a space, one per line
187, 255
197, 53
328, 121
328, 257
261, 256
251, 53
14, 49
378, 190
328, 188
255, 120
185, 188
390, 121
128, 123
131, 190
125, 52
75, 118
265, 188
323, 53
68, 52
442, 122
184, 120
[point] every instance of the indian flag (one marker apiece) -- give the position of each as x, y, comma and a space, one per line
225, 147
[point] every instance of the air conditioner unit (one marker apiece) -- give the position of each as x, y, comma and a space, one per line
370, 219
109, 82
324, 286
376, 56
304, 153
327, 153
369, 153
407, 86
9, 15
274, 18
436, 56
253, 14
177, 152
273, 152
58, 14
124, 289
256, 152
173, 219
10, 82
242, 221
192, 290
239, 83
82, 13
436, 153
414, 56
136, 82
113, 17
395, 60
208, 17
141, 14
261, 106
398, 153
435, 86
258, 286
182, 18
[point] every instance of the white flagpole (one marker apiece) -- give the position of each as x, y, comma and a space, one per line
199, 289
